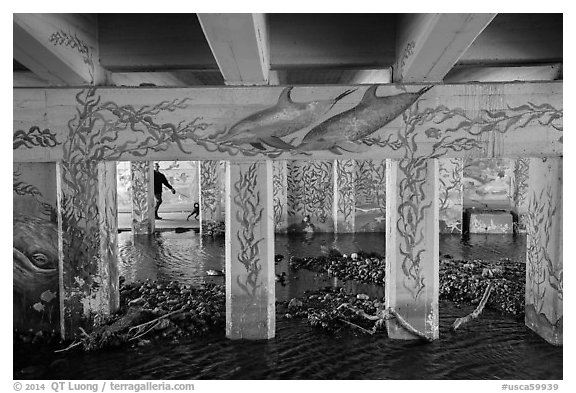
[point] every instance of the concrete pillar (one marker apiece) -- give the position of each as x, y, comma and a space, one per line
143, 202
519, 193
250, 279
280, 184
544, 267
451, 194
412, 268
88, 243
344, 195
211, 173
35, 248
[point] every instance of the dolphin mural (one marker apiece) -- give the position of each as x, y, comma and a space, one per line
267, 126
371, 114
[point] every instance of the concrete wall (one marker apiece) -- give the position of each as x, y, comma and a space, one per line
35, 242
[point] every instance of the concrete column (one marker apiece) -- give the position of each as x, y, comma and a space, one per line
211, 173
35, 248
143, 202
451, 194
412, 268
88, 243
519, 193
344, 195
280, 188
544, 267
250, 280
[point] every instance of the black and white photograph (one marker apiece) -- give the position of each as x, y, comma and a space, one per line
294, 196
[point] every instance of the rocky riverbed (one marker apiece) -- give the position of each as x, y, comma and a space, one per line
168, 310
462, 282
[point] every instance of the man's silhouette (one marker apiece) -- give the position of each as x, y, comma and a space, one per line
159, 180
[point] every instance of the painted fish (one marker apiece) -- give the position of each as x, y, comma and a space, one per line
371, 114
286, 117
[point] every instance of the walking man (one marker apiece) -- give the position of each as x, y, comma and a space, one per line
159, 180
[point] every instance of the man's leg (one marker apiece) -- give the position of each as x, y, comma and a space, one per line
158, 203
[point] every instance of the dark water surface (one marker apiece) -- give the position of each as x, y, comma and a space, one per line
492, 347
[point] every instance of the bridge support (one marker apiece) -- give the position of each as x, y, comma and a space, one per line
412, 266
544, 267
212, 187
142, 176
280, 185
88, 242
250, 279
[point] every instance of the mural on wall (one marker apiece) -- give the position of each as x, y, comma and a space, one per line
487, 183
35, 248
142, 203
310, 196
520, 189
212, 190
248, 216
370, 207
124, 186
279, 188
413, 166
544, 268
107, 131
346, 189
450, 175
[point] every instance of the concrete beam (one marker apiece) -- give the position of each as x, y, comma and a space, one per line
485, 73
250, 278
240, 46
59, 48
161, 79
430, 44
469, 120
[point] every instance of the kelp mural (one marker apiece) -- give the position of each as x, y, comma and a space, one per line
249, 270
310, 196
411, 127
544, 269
370, 209
519, 193
450, 175
279, 187
248, 214
141, 198
211, 190
346, 195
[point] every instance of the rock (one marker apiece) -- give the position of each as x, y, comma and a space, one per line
295, 303
137, 302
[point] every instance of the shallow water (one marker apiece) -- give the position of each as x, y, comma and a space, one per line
492, 347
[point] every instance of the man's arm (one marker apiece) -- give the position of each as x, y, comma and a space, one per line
165, 182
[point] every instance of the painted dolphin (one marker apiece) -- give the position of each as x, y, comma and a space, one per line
371, 114
286, 117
